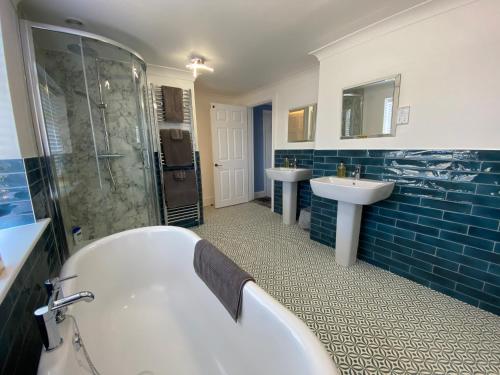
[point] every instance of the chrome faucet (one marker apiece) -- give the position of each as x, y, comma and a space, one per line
357, 171
48, 317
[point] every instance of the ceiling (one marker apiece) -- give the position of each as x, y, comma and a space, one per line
249, 42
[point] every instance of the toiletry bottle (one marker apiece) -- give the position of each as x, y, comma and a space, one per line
287, 162
341, 169
295, 162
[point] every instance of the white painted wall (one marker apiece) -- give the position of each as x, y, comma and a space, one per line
165, 76
296, 91
203, 100
448, 55
17, 137
9, 146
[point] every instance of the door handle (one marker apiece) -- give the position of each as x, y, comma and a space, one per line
217, 165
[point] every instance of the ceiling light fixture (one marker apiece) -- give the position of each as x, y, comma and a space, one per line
198, 66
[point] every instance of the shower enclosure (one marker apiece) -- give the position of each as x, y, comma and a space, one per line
90, 102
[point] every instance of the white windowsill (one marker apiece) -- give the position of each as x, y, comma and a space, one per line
16, 245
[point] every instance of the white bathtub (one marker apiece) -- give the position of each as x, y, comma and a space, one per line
153, 315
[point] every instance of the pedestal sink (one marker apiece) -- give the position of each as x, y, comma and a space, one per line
351, 195
290, 177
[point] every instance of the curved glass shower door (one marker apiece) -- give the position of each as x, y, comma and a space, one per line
97, 134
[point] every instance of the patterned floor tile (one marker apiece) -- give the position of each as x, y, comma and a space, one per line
371, 321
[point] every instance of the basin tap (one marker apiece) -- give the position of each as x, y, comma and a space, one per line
48, 317
357, 171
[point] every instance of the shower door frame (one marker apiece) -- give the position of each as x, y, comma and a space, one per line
28, 47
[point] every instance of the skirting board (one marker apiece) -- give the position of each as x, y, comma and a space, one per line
259, 194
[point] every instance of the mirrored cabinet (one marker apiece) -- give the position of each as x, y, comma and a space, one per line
302, 123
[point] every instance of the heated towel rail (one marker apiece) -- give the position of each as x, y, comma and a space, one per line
189, 215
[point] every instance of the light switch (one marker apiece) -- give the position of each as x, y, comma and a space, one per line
403, 115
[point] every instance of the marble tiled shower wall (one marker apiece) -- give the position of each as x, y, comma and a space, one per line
99, 211
20, 342
15, 204
440, 227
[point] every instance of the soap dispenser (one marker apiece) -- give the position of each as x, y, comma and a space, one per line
287, 162
341, 170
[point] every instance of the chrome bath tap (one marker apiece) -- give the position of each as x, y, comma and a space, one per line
48, 317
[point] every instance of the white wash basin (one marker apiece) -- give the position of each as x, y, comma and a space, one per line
290, 177
289, 174
350, 190
351, 195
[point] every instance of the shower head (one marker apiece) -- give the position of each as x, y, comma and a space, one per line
87, 51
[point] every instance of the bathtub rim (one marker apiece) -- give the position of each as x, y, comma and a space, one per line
311, 345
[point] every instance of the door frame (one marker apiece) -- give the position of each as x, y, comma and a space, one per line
251, 168
249, 164
265, 159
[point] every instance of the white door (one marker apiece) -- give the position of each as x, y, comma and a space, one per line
268, 149
230, 156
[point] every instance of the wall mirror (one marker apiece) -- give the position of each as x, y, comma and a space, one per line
302, 124
369, 110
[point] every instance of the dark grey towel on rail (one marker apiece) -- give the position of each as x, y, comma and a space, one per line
176, 147
173, 104
222, 276
180, 188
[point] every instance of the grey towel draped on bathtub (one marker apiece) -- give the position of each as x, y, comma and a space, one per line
180, 188
176, 147
221, 275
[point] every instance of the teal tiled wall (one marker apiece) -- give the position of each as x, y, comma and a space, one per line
441, 225
20, 342
304, 160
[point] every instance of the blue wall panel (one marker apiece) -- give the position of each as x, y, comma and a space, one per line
258, 145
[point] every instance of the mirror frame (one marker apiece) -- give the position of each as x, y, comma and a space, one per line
315, 106
395, 106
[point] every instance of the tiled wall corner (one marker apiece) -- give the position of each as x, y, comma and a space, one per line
441, 225
20, 342
43, 205
161, 198
15, 203
38, 191
189, 223
304, 160
200, 188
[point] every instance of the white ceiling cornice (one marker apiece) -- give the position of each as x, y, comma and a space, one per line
172, 72
418, 13
248, 43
